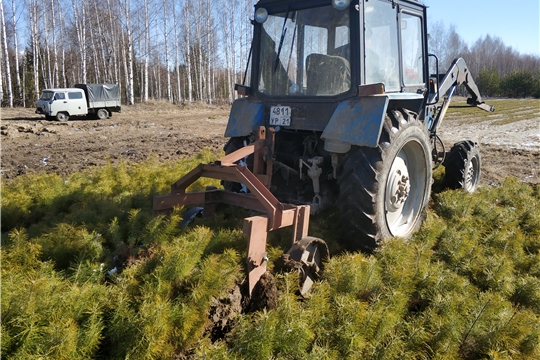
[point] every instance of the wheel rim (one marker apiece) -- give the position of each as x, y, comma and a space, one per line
471, 175
102, 114
405, 189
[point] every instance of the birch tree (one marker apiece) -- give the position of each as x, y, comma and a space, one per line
80, 26
55, 45
226, 39
147, 48
166, 36
20, 92
35, 45
129, 61
209, 48
187, 26
177, 52
9, 93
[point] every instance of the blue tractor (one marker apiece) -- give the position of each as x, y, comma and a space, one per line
338, 107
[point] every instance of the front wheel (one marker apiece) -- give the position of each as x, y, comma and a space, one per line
463, 166
62, 117
385, 190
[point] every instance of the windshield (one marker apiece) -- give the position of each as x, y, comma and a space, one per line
46, 95
306, 52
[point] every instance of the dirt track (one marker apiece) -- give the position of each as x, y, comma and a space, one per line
32, 144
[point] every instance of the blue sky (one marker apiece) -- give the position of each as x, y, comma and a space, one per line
516, 22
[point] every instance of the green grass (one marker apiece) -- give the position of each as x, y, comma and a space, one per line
507, 111
466, 286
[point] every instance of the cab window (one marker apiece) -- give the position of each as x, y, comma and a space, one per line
59, 96
75, 95
412, 56
381, 45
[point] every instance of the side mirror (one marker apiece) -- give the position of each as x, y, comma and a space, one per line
242, 90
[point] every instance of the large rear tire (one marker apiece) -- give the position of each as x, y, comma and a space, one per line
102, 114
384, 191
463, 166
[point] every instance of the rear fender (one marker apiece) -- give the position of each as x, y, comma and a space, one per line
245, 117
357, 121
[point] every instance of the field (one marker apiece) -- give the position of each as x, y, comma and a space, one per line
510, 137
87, 272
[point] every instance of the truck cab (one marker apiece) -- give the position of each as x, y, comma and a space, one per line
62, 103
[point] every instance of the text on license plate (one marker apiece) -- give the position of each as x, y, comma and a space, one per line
280, 115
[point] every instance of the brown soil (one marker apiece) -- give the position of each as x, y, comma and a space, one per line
264, 294
31, 144
224, 312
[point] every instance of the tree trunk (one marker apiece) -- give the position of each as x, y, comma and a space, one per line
35, 46
80, 26
209, 34
226, 37
102, 47
177, 54
19, 91
200, 71
129, 80
55, 47
187, 9
166, 36
147, 49
9, 93
113, 39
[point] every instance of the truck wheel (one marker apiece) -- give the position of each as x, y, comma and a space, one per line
62, 117
102, 114
463, 166
385, 190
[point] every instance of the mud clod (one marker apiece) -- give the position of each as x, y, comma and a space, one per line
223, 314
265, 294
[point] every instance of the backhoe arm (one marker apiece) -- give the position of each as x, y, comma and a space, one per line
457, 74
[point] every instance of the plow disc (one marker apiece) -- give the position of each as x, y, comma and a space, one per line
310, 254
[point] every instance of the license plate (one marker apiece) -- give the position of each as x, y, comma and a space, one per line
280, 115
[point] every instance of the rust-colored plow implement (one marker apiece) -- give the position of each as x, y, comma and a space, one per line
308, 251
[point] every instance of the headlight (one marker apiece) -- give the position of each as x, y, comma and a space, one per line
261, 15
341, 4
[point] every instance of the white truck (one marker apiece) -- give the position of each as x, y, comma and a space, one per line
99, 100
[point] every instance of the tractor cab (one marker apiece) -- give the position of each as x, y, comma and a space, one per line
310, 56
328, 48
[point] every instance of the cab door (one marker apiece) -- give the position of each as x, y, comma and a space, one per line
59, 103
77, 103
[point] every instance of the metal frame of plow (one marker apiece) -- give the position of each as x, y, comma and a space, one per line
276, 214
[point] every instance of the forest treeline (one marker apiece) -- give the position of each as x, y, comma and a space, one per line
192, 50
